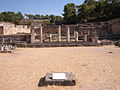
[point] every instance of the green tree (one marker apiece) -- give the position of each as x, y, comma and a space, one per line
11, 17
37, 16
2, 17
107, 9
86, 12
70, 14
92, 10
55, 19
52, 18
115, 8
19, 15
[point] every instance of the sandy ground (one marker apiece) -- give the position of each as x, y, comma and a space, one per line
95, 68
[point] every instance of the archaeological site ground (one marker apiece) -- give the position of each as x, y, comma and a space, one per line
79, 50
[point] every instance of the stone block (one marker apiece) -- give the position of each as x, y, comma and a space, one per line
59, 79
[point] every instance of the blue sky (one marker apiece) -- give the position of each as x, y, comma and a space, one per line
42, 7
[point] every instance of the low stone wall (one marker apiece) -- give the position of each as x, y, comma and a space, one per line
103, 29
60, 44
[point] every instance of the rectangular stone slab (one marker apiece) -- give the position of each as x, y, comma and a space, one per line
61, 79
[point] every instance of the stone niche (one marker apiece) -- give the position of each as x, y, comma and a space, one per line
116, 28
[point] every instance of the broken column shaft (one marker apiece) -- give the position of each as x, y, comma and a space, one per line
41, 34
68, 33
32, 35
59, 34
76, 36
85, 37
50, 37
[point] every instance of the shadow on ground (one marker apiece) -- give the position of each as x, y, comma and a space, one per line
42, 82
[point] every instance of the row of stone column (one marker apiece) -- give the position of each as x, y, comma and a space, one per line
59, 35
68, 34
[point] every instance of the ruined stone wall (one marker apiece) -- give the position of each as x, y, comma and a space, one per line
103, 29
9, 28
1, 30
114, 26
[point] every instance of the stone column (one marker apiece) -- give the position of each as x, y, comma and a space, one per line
59, 34
85, 37
50, 36
32, 35
76, 36
68, 33
41, 34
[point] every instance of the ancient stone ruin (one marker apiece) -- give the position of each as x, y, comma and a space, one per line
7, 28
60, 35
7, 48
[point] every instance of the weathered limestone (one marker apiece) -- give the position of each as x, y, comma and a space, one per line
2, 48
76, 36
10, 28
61, 79
68, 34
7, 48
59, 34
41, 34
94, 37
50, 37
32, 35
85, 38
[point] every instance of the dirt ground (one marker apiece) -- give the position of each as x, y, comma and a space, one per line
95, 68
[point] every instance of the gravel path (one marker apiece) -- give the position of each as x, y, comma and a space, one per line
95, 68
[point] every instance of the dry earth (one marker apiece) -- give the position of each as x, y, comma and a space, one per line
95, 68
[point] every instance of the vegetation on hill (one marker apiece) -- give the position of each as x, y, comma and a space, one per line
89, 11
11, 17
18, 18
